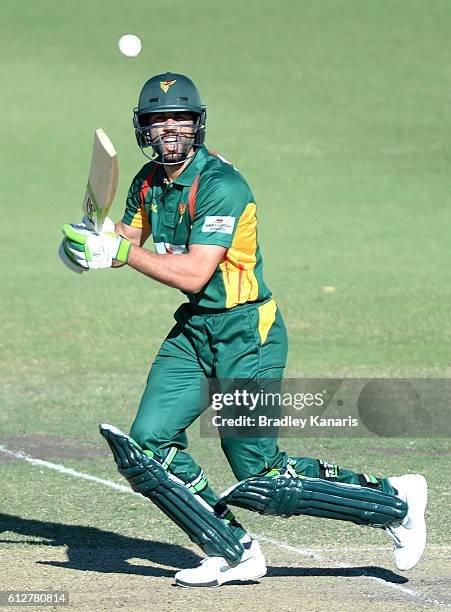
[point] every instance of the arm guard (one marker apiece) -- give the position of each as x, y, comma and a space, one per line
288, 496
188, 511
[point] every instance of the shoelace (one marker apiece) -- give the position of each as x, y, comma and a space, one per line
391, 532
208, 559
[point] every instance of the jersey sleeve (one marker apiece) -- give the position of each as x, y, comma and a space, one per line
135, 213
219, 204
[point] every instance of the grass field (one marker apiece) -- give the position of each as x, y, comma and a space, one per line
338, 114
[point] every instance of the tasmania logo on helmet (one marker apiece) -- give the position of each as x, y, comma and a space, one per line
224, 225
166, 84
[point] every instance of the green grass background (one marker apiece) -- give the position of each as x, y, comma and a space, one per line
338, 114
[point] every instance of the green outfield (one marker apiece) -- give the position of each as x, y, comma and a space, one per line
338, 114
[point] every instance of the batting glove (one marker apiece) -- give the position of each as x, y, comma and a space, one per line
66, 257
93, 251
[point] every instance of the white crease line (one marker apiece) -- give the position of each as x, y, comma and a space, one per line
370, 547
64, 470
304, 552
307, 552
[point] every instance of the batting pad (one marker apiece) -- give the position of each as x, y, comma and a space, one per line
189, 512
288, 496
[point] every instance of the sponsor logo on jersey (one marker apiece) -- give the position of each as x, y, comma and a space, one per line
166, 84
224, 225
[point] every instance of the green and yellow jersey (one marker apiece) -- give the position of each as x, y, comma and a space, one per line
209, 203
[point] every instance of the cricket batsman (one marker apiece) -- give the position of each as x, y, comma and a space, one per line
202, 216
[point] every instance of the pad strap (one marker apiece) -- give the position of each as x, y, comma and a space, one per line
188, 511
368, 480
287, 496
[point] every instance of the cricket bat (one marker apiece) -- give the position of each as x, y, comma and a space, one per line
102, 180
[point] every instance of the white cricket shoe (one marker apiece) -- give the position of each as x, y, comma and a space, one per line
410, 536
214, 571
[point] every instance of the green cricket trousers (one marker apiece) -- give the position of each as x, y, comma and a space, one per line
246, 342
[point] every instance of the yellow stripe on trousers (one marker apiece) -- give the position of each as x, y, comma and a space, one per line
266, 318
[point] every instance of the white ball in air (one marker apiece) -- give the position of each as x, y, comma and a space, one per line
129, 45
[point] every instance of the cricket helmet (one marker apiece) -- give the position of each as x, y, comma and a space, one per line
163, 93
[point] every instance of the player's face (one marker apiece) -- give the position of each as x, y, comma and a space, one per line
173, 133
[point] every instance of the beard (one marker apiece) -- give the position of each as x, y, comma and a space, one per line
175, 152
175, 157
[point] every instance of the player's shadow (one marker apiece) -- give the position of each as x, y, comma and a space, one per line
94, 550
371, 571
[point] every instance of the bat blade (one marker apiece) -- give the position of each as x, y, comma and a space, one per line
102, 180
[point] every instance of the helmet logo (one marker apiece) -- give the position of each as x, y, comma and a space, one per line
166, 84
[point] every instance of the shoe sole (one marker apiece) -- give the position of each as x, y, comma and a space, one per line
215, 583
185, 585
